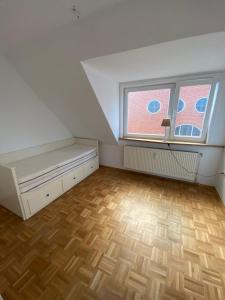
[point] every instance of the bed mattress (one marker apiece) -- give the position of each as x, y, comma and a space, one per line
37, 170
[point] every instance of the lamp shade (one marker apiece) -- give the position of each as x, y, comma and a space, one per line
165, 123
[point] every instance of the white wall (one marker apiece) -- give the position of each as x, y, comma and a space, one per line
111, 155
167, 59
107, 93
24, 120
220, 182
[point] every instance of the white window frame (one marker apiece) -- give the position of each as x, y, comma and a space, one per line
144, 88
192, 82
174, 83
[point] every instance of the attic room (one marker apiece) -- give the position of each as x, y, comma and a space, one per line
112, 160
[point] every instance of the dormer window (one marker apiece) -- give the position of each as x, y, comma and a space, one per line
187, 101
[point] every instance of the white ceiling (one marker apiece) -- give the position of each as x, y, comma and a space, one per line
204, 53
24, 19
50, 64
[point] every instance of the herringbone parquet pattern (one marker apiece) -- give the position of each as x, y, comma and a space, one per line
118, 235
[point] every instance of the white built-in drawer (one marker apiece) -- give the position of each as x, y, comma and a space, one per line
35, 200
91, 166
72, 178
38, 198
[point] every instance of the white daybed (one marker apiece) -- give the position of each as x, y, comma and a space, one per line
32, 178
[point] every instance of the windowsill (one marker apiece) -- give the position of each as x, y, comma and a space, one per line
169, 142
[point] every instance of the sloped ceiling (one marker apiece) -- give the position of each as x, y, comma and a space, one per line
51, 63
107, 93
204, 53
23, 20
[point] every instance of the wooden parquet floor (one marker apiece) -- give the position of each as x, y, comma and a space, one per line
117, 235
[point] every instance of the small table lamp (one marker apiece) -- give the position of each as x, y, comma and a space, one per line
166, 123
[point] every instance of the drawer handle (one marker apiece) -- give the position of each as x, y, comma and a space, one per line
47, 195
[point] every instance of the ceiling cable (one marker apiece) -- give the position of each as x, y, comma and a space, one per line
75, 12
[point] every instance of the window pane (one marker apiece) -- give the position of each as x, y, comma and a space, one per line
180, 105
146, 110
196, 131
154, 106
190, 121
201, 105
187, 130
177, 130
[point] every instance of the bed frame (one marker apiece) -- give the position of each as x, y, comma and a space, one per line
27, 204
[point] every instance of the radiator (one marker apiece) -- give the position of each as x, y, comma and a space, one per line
162, 162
